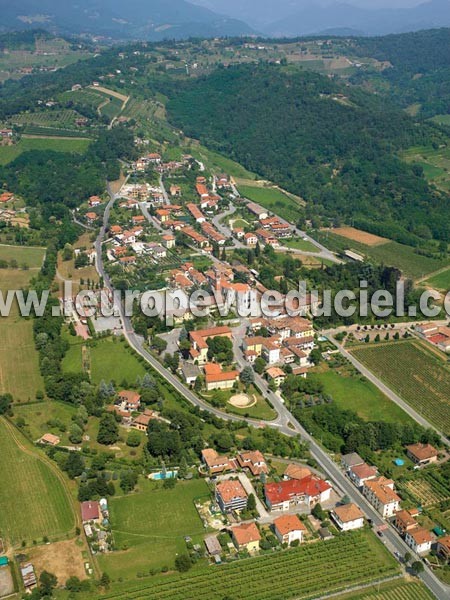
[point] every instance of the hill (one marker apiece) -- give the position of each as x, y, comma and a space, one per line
332, 145
150, 20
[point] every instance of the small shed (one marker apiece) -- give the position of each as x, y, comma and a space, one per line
213, 546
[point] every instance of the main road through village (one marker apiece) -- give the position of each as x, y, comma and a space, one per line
285, 422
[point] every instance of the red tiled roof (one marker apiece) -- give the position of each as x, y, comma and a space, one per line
285, 490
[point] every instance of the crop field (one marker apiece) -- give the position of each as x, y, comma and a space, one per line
86, 97
33, 499
65, 144
139, 109
301, 573
357, 235
435, 164
112, 107
351, 393
19, 366
394, 590
46, 118
391, 254
151, 525
416, 375
273, 199
429, 487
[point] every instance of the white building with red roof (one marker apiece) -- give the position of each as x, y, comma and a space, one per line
285, 494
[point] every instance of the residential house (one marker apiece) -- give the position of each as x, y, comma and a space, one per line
196, 212
141, 422
95, 201
359, 474
231, 495
443, 548
216, 463
254, 461
348, 516
380, 493
283, 495
217, 379
91, 217
49, 439
199, 350
169, 241
422, 454
90, 511
276, 375
294, 471
419, 540
129, 400
267, 239
250, 239
288, 529
246, 537
405, 521
351, 460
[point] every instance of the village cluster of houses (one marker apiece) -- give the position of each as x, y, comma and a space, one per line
380, 492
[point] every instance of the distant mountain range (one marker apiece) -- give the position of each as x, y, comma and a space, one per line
132, 19
178, 19
289, 18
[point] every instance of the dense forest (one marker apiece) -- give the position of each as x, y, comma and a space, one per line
331, 144
420, 71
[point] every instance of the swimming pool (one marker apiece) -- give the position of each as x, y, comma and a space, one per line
161, 475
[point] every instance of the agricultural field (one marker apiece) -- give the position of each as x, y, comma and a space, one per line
394, 590
435, 164
45, 507
441, 119
392, 254
357, 235
361, 396
302, 573
47, 118
149, 527
219, 163
418, 376
9, 153
273, 199
429, 487
19, 365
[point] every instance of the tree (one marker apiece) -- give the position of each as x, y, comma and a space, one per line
133, 439
315, 356
5, 404
251, 503
417, 567
259, 365
74, 465
105, 580
407, 557
75, 434
47, 583
247, 376
108, 432
183, 469
183, 563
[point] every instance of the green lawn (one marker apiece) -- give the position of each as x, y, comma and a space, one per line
24, 255
305, 572
273, 199
110, 359
442, 119
9, 153
435, 162
361, 396
300, 244
151, 525
440, 281
33, 501
219, 163
38, 414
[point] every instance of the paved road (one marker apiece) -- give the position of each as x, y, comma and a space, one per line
285, 423
386, 390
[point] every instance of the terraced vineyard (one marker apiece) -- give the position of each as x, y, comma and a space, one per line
301, 573
64, 118
415, 374
54, 132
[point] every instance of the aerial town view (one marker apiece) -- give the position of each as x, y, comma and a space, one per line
224, 300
